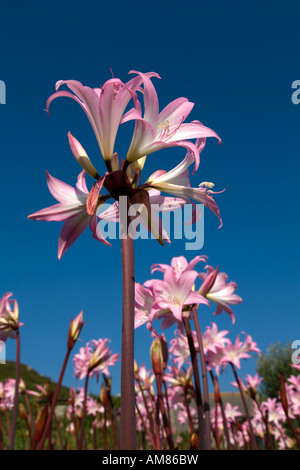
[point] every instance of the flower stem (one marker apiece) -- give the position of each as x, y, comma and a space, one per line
16, 399
202, 444
215, 380
83, 412
128, 424
204, 378
163, 411
54, 399
253, 440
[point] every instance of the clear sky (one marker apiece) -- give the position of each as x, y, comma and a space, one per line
236, 61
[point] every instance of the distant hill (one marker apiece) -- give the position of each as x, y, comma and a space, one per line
30, 376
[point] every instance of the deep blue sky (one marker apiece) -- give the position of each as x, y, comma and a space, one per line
236, 62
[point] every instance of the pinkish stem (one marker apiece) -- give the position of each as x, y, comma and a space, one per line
16, 399
128, 424
54, 399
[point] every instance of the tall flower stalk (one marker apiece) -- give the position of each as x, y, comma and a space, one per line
78, 207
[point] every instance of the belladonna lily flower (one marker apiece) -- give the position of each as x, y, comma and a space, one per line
104, 108
172, 294
154, 131
179, 348
233, 353
179, 264
9, 317
72, 209
76, 212
93, 359
144, 304
216, 288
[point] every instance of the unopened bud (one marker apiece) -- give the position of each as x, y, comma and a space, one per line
103, 396
157, 360
194, 441
40, 425
217, 390
81, 156
74, 330
23, 412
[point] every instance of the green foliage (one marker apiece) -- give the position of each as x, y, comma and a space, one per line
276, 359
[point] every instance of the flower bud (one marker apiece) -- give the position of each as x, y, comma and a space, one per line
75, 329
157, 360
82, 157
103, 396
194, 441
40, 426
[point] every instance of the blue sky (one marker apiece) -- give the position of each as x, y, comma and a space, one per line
236, 62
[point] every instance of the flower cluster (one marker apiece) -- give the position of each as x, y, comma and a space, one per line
105, 108
173, 298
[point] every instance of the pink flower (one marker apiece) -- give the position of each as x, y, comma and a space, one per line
233, 353
104, 106
94, 358
216, 289
179, 348
105, 109
276, 414
173, 294
179, 264
177, 183
154, 131
232, 412
9, 317
144, 304
214, 339
72, 209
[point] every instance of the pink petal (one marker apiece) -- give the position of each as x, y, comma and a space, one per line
71, 230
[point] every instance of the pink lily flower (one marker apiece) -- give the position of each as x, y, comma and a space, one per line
94, 358
104, 106
72, 209
239, 350
179, 264
216, 289
232, 412
177, 183
144, 304
9, 317
179, 348
276, 414
173, 294
154, 131
213, 338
